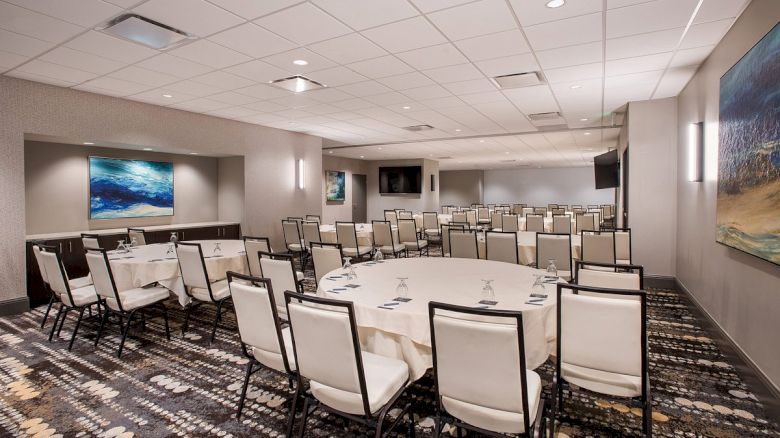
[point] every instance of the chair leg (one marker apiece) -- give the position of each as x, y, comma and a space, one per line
125, 329
303, 417
411, 432
293, 406
186, 319
243, 388
216, 321
56, 320
76, 329
647, 419
62, 321
48, 309
103, 320
165, 318
437, 426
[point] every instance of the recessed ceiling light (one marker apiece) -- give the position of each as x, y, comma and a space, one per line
297, 84
362, 156
330, 152
583, 119
147, 149
555, 3
193, 153
407, 107
300, 62
482, 141
167, 96
507, 152
88, 143
576, 86
379, 148
457, 130
587, 133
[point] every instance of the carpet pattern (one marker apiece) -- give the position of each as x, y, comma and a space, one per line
186, 387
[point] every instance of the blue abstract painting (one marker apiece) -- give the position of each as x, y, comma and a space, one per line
129, 188
335, 185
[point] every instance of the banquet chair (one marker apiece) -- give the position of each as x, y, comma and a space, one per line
445, 237
293, 238
314, 218
556, 247
576, 206
263, 340
503, 396
126, 304
405, 214
491, 206
464, 225
602, 346
630, 277
136, 234
495, 220
517, 208
534, 222
383, 239
540, 210
343, 380
346, 235
558, 210
253, 245
326, 257
407, 235
550, 207
431, 225
311, 233
622, 245
463, 244
593, 207
459, 216
584, 221
527, 210
197, 284
74, 283
596, 219
90, 240
501, 246
392, 217
561, 223
598, 247
483, 215
509, 222
471, 218
75, 299
280, 269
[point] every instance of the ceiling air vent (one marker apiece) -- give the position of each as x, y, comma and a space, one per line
297, 84
418, 128
547, 119
518, 80
444, 158
145, 31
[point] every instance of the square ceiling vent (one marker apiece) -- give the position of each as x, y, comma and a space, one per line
144, 31
297, 84
518, 80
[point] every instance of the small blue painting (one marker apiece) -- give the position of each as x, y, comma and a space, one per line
121, 188
335, 185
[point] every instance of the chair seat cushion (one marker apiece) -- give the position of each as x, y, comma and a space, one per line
295, 247
495, 419
81, 296
622, 262
219, 288
273, 359
76, 283
140, 297
484, 221
384, 377
414, 245
603, 382
352, 252
390, 249
432, 231
299, 275
496, 229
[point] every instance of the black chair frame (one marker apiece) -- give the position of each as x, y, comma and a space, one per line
536, 256
395, 253
582, 240
286, 257
639, 269
357, 243
323, 245
419, 250
474, 232
487, 247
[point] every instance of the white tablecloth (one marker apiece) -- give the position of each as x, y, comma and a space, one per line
404, 332
151, 263
526, 246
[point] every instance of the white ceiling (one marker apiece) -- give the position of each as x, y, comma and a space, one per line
377, 58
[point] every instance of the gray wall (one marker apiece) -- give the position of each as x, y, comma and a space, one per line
564, 185
230, 190
426, 201
461, 187
333, 211
33, 108
741, 292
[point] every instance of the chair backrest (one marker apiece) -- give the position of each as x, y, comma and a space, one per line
326, 257
602, 333
527, 210
534, 222
471, 217
622, 244
137, 234
501, 246
540, 210
346, 234
483, 213
561, 223
509, 222
495, 219
465, 339
314, 218
383, 233
517, 208
102, 275
36, 248
280, 270
90, 240
430, 220
596, 219
192, 265
392, 217
55, 271
292, 232
584, 221
404, 214
463, 244
445, 237
407, 230
558, 210
598, 246
605, 275
459, 216
325, 340
552, 246
311, 232
253, 245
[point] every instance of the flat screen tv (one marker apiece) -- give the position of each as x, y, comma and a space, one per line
400, 180
120, 188
607, 169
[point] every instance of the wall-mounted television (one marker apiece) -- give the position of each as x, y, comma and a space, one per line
607, 169
400, 180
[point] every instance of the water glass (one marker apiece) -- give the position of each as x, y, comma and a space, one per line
121, 247
217, 249
348, 269
538, 287
378, 256
487, 290
174, 237
402, 290
552, 270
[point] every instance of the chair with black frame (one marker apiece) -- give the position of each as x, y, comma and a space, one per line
501, 246
555, 247
558, 211
584, 221
445, 236
504, 397
460, 217
343, 380
311, 233
71, 299
463, 244
74, 283
407, 235
602, 346
534, 222
293, 238
90, 240
392, 217
540, 210
405, 214
325, 257
561, 223
464, 225
126, 304
613, 276
197, 284
509, 222
280, 269
598, 246
517, 208
263, 340
471, 218
384, 241
314, 218
431, 225
483, 216
495, 220
622, 245
136, 236
253, 245
550, 207
346, 235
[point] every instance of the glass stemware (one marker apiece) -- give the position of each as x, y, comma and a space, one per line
402, 290
538, 286
174, 237
217, 249
349, 269
121, 247
487, 290
378, 256
552, 270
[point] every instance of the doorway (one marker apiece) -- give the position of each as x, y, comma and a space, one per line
359, 199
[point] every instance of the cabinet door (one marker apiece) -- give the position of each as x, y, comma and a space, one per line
202, 233
72, 251
231, 231
162, 236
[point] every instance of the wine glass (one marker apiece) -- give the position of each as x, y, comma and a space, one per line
217, 249
402, 290
133, 242
487, 290
348, 269
121, 247
174, 237
378, 256
171, 248
538, 286
552, 270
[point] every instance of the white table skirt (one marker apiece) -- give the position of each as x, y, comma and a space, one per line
404, 332
526, 246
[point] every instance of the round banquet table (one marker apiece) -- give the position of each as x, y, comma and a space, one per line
526, 246
147, 264
404, 331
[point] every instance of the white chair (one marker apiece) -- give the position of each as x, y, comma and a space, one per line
404, 214
480, 375
198, 285
126, 304
534, 222
90, 240
622, 245
445, 237
263, 340
471, 218
431, 224
561, 223
136, 236
343, 380
584, 222
74, 283
314, 218
501, 247
407, 235
253, 246
463, 244
483, 215
311, 233
602, 345
392, 217
518, 209
326, 257
509, 222
629, 277
526, 211
293, 239
598, 246
459, 216
77, 299
384, 240
540, 210
280, 269
496, 219
556, 247
346, 235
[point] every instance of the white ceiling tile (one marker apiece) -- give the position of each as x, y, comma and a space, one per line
638, 64
348, 48
484, 97
454, 73
33, 24
471, 86
181, 68
251, 39
365, 88
263, 91
631, 80
196, 17
644, 44
571, 55
251, 9
207, 53
432, 57
530, 100
323, 109
405, 35
649, 17
285, 61
55, 71
125, 4
232, 98
82, 61
304, 24
705, 34
406, 81
352, 105
156, 97
426, 92
508, 43
574, 73
328, 95
86, 13
531, 12
144, 76
568, 32
96, 90
9, 60
117, 86
234, 112
98, 43
434, 5
673, 81
712, 10
474, 19
22, 45
380, 67
509, 65
265, 106
258, 71
200, 105
223, 80
336, 76
361, 14
691, 56
392, 98
192, 88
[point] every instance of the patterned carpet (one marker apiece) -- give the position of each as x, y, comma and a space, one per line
187, 387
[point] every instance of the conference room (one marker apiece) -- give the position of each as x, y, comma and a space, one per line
541, 218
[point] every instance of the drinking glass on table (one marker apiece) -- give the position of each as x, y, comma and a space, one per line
538, 286
487, 290
348, 269
217, 249
402, 290
552, 270
121, 247
378, 256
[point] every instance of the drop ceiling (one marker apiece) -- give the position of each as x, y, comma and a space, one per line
387, 64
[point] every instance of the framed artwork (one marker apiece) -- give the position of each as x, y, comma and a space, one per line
120, 188
748, 203
335, 185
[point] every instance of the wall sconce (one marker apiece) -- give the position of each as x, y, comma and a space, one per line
696, 152
301, 179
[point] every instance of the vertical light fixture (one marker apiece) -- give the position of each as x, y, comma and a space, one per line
696, 152
301, 179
